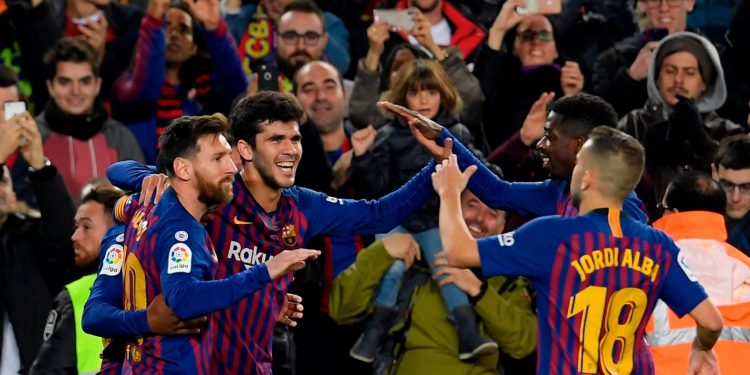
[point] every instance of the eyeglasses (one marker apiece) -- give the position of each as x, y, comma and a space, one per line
530, 36
311, 38
657, 3
730, 186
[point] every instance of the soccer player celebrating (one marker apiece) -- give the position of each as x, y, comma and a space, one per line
598, 275
169, 251
268, 215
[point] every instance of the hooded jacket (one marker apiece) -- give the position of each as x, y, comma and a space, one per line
657, 123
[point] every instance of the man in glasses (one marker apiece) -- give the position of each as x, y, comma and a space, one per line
300, 37
693, 216
620, 72
255, 24
731, 168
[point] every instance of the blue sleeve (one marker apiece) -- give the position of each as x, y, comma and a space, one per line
681, 291
537, 198
129, 174
103, 314
227, 75
522, 252
186, 276
634, 208
338, 217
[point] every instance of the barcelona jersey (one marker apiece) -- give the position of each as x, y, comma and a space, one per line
166, 250
597, 278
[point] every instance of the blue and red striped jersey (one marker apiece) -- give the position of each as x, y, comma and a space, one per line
246, 235
597, 279
166, 249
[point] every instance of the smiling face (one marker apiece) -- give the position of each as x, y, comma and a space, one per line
74, 87
321, 95
558, 148
679, 74
91, 222
277, 153
534, 44
481, 220
660, 14
214, 170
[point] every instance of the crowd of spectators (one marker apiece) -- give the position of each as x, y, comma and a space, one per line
101, 79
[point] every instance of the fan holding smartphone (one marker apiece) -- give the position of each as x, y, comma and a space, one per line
18, 131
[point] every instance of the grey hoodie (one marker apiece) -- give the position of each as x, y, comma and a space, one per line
664, 158
716, 92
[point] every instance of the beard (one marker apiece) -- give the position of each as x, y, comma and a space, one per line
213, 195
289, 68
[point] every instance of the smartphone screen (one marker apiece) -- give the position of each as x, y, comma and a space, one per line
401, 18
11, 109
267, 80
541, 7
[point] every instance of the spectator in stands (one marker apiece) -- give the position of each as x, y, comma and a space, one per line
735, 59
620, 72
418, 337
321, 93
78, 134
254, 28
519, 62
35, 253
449, 26
678, 125
385, 160
66, 348
372, 79
20, 48
731, 168
693, 216
186, 64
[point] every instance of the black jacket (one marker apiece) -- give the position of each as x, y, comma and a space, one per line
611, 79
36, 256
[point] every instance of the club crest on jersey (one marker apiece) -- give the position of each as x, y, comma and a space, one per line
289, 235
179, 258
113, 258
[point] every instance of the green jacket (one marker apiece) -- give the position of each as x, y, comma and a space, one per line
431, 346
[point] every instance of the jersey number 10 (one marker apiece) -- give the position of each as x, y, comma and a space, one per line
620, 316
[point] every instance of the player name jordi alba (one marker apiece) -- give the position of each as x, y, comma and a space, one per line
614, 257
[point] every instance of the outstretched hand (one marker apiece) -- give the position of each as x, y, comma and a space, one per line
533, 126
289, 261
425, 130
153, 186
448, 178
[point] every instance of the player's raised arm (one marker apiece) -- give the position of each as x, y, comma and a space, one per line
707, 331
459, 246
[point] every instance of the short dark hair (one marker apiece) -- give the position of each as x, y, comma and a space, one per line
734, 152
619, 157
249, 113
75, 50
581, 113
695, 191
180, 138
8, 78
107, 197
305, 6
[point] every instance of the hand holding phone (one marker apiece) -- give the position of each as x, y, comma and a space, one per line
268, 78
399, 18
540, 7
